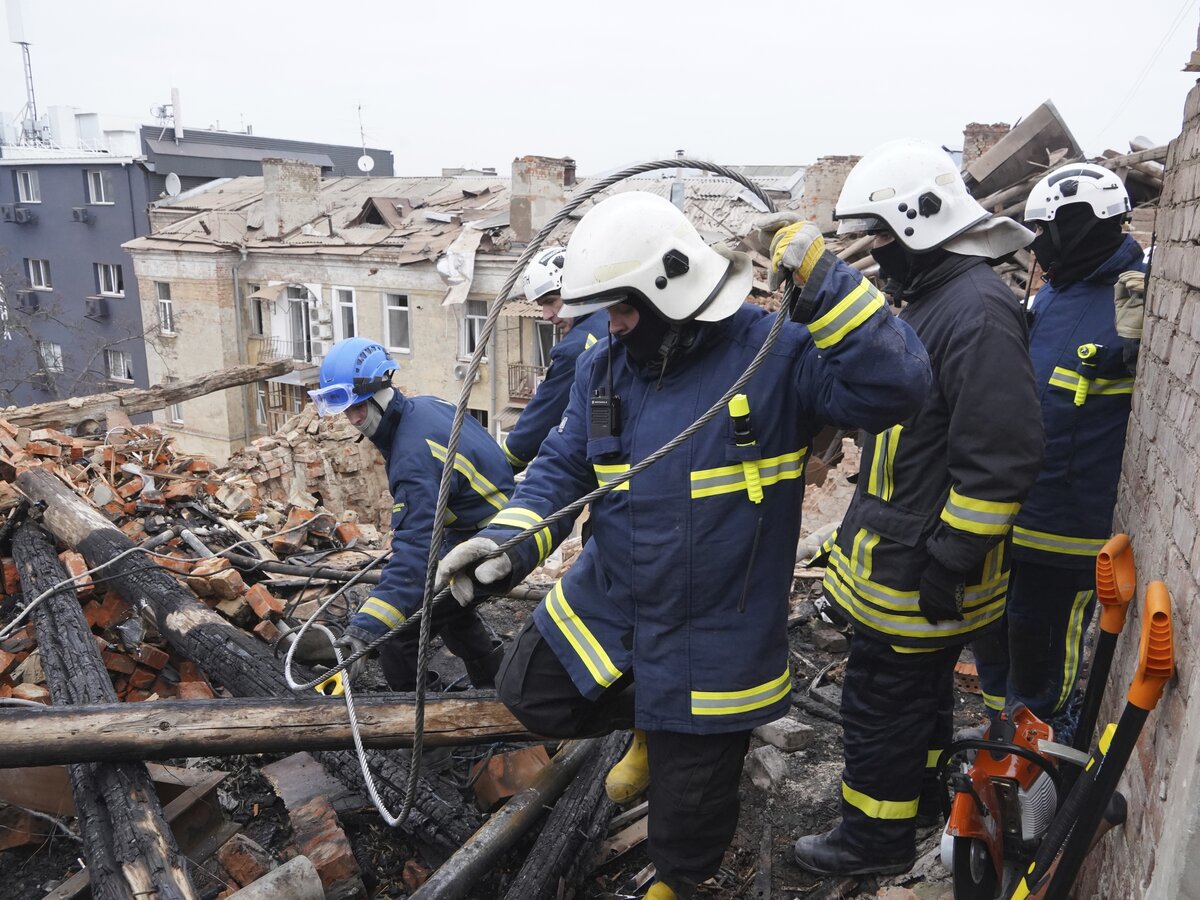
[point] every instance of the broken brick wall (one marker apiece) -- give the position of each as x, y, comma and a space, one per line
1157, 853
314, 460
823, 182
979, 138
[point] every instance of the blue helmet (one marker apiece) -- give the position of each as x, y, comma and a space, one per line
352, 371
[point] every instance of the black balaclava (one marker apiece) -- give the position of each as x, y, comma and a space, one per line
1075, 243
909, 276
646, 339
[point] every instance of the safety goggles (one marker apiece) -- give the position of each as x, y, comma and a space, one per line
333, 399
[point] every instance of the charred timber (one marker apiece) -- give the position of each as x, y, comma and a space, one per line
127, 842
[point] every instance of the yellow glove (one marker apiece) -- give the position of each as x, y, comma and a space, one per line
1129, 298
796, 245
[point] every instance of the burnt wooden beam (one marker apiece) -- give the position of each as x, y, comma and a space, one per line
242, 664
131, 401
127, 842
166, 729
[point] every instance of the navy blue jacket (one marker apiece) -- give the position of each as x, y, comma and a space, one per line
686, 579
1068, 515
412, 438
550, 400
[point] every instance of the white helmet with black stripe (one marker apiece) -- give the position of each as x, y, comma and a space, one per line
1094, 185
544, 274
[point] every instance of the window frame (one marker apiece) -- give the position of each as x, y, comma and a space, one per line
43, 266
166, 323
119, 283
28, 177
470, 328
340, 305
105, 180
108, 365
388, 309
258, 317
54, 365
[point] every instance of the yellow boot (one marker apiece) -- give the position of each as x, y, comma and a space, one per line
659, 891
630, 777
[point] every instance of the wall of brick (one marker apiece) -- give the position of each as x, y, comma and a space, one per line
979, 138
822, 184
538, 190
1157, 853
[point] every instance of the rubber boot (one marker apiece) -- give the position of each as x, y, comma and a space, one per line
482, 669
630, 777
659, 891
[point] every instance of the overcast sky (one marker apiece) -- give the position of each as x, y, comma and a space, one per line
470, 83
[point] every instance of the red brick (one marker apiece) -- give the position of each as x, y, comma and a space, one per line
318, 835
134, 531
43, 448
36, 692
9, 661
6, 690
118, 662
347, 532
226, 585
12, 580
178, 490
263, 602
267, 631
189, 671
244, 860
151, 656
142, 678
414, 875
136, 695
200, 466
177, 563
164, 689
132, 487
294, 536
210, 566
194, 690
76, 566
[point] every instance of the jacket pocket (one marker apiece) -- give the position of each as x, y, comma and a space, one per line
893, 522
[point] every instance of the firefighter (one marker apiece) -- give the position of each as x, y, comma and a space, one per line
920, 561
542, 283
684, 585
1084, 337
412, 434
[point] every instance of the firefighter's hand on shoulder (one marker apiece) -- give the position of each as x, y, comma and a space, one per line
467, 566
793, 243
941, 593
1129, 298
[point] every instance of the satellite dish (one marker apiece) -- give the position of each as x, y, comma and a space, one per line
365, 163
173, 186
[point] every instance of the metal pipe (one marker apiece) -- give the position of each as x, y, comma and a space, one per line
496, 836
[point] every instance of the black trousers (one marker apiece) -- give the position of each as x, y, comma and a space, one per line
694, 779
897, 715
464, 635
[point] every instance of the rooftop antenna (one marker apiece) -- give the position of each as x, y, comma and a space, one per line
365, 162
16, 34
677, 188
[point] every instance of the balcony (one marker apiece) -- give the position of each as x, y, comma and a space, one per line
265, 348
523, 381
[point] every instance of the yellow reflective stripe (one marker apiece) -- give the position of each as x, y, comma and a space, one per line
398, 507
883, 459
932, 758
451, 518
987, 517
589, 341
1110, 731
878, 457
1074, 646
992, 701
732, 478
879, 809
727, 703
1069, 380
1022, 890
1056, 543
850, 312
383, 612
581, 638
605, 474
512, 457
518, 517
475, 478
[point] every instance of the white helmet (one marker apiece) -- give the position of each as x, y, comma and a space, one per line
636, 244
1097, 186
914, 189
544, 275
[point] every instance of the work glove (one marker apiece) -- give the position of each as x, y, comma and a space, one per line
941, 593
793, 243
462, 570
1129, 297
351, 641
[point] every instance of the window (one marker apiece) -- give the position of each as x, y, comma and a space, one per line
472, 326
174, 410
343, 305
27, 187
544, 338
397, 324
109, 279
166, 315
300, 323
51, 355
257, 319
39, 273
119, 364
99, 184
262, 403
479, 415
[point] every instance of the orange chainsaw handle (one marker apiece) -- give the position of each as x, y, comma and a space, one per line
1116, 582
1156, 655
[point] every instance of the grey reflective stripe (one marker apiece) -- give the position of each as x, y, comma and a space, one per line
1060, 543
584, 642
918, 625
707, 482
760, 697
776, 468
997, 520
844, 316
906, 604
